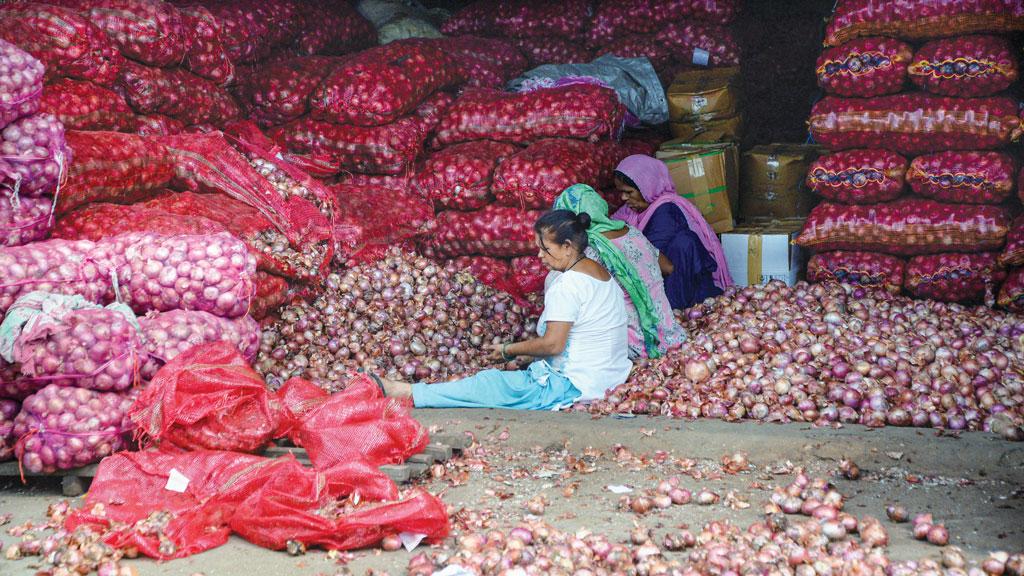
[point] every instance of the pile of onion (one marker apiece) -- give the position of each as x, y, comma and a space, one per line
832, 354
402, 316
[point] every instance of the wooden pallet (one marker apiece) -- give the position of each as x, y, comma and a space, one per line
441, 448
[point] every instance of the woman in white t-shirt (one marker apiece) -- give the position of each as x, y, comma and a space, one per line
581, 349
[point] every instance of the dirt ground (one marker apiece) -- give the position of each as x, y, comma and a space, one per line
973, 484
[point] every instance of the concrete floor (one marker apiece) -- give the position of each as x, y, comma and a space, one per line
974, 484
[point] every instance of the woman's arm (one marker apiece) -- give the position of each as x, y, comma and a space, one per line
664, 225
667, 268
552, 343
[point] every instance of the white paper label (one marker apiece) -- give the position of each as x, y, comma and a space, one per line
176, 481
452, 570
701, 56
411, 539
696, 166
619, 489
699, 103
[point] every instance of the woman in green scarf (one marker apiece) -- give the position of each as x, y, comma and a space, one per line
636, 264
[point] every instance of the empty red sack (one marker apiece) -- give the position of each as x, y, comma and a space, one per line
963, 177
953, 277
864, 67
858, 176
915, 123
499, 231
459, 177
965, 66
905, 227
868, 269
922, 19
582, 111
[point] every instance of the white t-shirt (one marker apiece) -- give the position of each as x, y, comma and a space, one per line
595, 358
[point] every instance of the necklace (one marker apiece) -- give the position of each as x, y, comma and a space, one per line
578, 260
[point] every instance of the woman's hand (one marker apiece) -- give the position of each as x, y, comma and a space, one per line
494, 352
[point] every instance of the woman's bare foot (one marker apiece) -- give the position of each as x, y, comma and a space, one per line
396, 389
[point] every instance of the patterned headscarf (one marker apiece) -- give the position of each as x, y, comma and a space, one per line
580, 198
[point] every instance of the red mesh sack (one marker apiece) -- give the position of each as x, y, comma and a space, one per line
613, 18
965, 66
400, 182
280, 92
271, 294
530, 18
905, 227
1011, 293
207, 397
963, 177
250, 29
864, 67
552, 50
24, 220
100, 220
459, 177
34, 155
206, 55
8, 410
21, 83
381, 84
486, 62
581, 111
113, 167
381, 216
858, 176
701, 44
388, 149
1013, 252
528, 274
54, 266
60, 428
336, 28
491, 271
150, 31
953, 277
477, 18
498, 231
1020, 184
915, 123
168, 334
156, 125
867, 269
639, 46
176, 93
534, 177
922, 19
81, 105
65, 41
210, 273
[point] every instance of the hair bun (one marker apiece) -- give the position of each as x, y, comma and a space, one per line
584, 219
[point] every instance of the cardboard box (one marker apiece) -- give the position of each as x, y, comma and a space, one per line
772, 181
704, 94
708, 131
707, 175
764, 251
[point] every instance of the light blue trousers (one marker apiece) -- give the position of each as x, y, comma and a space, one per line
516, 389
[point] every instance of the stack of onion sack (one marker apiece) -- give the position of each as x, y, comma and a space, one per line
828, 353
368, 113
941, 143
491, 189
33, 153
403, 316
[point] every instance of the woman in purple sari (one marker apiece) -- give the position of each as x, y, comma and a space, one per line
676, 228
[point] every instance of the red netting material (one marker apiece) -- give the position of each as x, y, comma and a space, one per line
701, 44
864, 67
1013, 252
177, 93
477, 18
530, 18
65, 41
156, 125
914, 123
459, 177
965, 66
613, 18
250, 29
21, 83
1011, 293
491, 271
858, 176
82, 105
498, 231
207, 397
8, 410
24, 220
150, 31
953, 277
333, 28
905, 227
552, 50
375, 215
271, 293
280, 92
534, 177
528, 274
868, 269
581, 111
206, 55
963, 177
919, 19
34, 155
388, 149
167, 334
